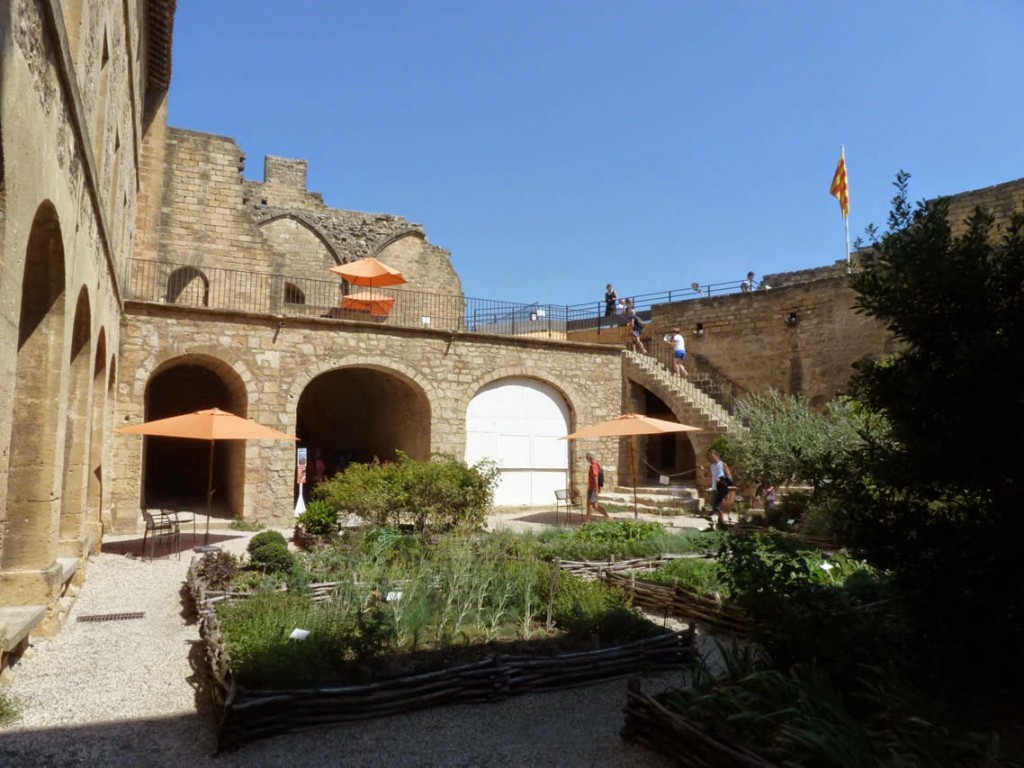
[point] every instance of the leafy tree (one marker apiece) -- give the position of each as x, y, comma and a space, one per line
938, 500
785, 441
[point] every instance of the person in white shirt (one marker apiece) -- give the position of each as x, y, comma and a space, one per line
679, 350
748, 285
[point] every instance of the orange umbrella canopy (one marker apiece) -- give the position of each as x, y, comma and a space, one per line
631, 424
366, 301
209, 424
369, 272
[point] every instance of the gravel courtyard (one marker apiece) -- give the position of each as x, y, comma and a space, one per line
128, 693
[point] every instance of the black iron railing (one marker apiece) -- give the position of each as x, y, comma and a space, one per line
290, 296
293, 296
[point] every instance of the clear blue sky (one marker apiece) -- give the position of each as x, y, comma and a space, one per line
556, 145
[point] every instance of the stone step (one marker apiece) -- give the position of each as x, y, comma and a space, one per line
16, 622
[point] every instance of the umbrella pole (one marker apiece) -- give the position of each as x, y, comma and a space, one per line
209, 495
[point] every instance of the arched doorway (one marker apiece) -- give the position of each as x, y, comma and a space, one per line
176, 470
517, 423
32, 499
361, 413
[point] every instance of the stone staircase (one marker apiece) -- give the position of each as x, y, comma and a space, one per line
691, 404
667, 500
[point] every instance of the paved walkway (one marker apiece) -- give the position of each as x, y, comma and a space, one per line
127, 693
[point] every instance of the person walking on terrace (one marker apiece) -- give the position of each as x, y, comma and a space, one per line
595, 481
610, 299
679, 350
748, 285
636, 327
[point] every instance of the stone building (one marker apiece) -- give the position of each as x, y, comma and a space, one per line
142, 275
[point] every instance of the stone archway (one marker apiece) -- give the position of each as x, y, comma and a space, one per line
30, 538
359, 413
520, 424
76, 425
175, 471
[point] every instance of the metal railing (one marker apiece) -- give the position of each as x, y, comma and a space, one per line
291, 296
294, 296
594, 314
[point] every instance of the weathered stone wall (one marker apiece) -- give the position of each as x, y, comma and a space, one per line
1001, 200
747, 337
71, 130
276, 363
202, 221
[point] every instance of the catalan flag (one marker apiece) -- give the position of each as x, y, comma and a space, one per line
840, 189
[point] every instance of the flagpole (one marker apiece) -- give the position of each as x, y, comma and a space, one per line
846, 217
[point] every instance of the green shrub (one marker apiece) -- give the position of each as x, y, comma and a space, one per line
257, 634
266, 537
272, 557
584, 608
440, 494
699, 575
218, 569
621, 539
320, 518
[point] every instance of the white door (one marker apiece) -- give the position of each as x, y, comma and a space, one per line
517, 423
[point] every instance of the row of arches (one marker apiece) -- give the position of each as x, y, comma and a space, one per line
62, 385
361, 413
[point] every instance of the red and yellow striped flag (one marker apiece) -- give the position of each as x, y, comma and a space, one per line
840, 189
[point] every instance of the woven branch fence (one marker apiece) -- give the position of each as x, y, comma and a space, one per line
652, 725
663, 599
247, 714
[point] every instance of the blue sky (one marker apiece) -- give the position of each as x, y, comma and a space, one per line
554, 146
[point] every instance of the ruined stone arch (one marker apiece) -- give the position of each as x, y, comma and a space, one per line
76, 430
175, 471
30, 535
188, 285
313, 230
392, 239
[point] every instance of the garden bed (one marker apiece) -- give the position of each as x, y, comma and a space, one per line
460, 674
666, 600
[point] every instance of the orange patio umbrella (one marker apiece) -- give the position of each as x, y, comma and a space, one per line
631, 425
376, 304
370, 273
211, 424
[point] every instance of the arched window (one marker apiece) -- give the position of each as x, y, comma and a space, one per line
293, 294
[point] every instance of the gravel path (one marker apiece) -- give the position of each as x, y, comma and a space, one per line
125, 693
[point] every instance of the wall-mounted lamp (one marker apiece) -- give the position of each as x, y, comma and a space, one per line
699, 330
792, 319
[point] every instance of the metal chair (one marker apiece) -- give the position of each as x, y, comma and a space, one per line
182, 516
161, 525
565, 497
